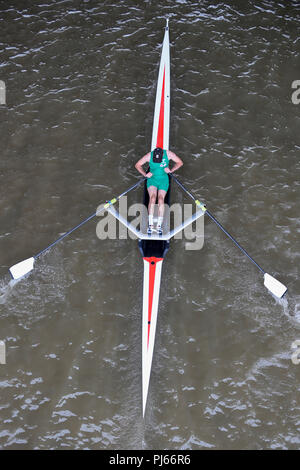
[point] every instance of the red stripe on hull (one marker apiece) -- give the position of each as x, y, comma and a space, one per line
160, 133
152, 268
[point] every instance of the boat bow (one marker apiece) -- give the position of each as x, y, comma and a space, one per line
153, 251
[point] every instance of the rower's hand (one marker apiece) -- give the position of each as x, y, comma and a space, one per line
167, 170
148, 175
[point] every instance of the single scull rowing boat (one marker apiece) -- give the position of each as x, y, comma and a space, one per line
153, 247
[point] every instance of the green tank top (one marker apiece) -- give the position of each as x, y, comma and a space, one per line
158, 169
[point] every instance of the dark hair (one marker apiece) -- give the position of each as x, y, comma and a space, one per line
158, 152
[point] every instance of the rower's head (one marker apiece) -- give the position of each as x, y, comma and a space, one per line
157, 155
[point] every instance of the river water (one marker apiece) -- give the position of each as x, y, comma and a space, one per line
80, 88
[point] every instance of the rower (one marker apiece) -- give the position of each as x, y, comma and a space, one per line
158, 181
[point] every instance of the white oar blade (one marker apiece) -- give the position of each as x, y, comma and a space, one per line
274, 286
20, 269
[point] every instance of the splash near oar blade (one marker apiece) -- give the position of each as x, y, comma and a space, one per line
21, 269
274, 286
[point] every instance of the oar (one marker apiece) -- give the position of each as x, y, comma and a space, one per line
24, 267
272, 284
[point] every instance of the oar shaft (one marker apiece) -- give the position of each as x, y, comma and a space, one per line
234, 240
218, 224
109, 203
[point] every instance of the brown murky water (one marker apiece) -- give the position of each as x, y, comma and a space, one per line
80, 84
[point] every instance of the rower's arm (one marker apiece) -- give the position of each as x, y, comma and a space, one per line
178, 162
141, 162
